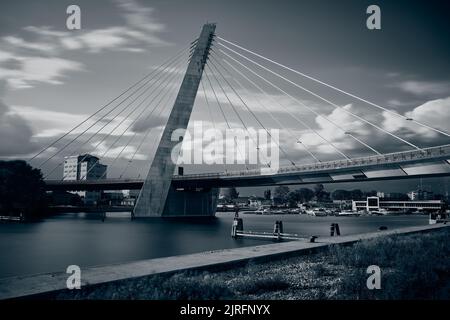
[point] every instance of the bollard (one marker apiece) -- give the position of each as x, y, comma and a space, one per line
338, 231
332, 230
278, 229
238, 225
313, 239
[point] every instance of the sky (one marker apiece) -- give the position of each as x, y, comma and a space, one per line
52, 78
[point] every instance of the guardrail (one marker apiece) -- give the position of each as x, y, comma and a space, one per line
390, 158
397, 157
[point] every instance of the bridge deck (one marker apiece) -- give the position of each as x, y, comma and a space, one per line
428, 162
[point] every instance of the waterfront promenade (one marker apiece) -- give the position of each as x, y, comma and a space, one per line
34, 285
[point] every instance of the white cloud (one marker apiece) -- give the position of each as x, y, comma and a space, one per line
424, 87
24, 63
434, 113
19, 42
30, 70
15, 133
48, 123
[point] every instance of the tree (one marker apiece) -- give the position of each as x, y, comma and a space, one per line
372, 193
341, 195
301, 195
229, 194
293, 198
267, 194
280, 196
305, 194
22, 189
320, 193
357, 194
233, 193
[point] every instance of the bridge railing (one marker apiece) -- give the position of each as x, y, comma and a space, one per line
396, 157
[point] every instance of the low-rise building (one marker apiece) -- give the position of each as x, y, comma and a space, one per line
85, 167
375, 203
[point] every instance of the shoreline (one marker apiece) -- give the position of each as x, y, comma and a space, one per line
55, 283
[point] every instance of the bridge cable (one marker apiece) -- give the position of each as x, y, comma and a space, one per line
109, 112
237, 113
296, 118
324, 99
308, 108
303, 123
106, 105
167, 77
144, 138
266, 109
109, 122
340, 90
171, 77
160, 76
223, 114
166, 94
210, 115
252, 113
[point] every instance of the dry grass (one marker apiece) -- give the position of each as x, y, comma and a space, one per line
412, 267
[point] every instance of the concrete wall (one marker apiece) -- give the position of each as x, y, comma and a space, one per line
192, 202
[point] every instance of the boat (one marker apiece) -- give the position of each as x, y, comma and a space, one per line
348, 213
319, 212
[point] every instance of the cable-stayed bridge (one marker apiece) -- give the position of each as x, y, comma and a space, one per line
249, 91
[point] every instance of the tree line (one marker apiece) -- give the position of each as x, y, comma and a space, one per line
22, 190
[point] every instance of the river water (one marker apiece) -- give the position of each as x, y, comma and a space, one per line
83, 239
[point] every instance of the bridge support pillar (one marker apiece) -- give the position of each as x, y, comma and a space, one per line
152, 198
196, 202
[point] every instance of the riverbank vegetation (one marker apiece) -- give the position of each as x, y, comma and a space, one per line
413, 266
22, 190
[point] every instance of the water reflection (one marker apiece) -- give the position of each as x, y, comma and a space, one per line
84, 239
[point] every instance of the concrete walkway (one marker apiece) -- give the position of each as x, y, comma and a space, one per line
17, 287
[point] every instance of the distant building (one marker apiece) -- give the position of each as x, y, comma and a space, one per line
242, 201
85, 167
420, 195
256, 202
392, 195
375, 203
130, 197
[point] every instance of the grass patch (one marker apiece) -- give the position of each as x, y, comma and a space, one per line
263, 285
415, 266
412, 267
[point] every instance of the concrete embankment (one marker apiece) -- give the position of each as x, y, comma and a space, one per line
43, 284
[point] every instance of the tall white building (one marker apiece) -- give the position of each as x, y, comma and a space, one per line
85, 167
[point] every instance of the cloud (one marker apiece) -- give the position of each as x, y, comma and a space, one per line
143, 125
15, 134
424, 87
21, 43
140, 28
38, 59
25, 72
434, 113
47, 123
